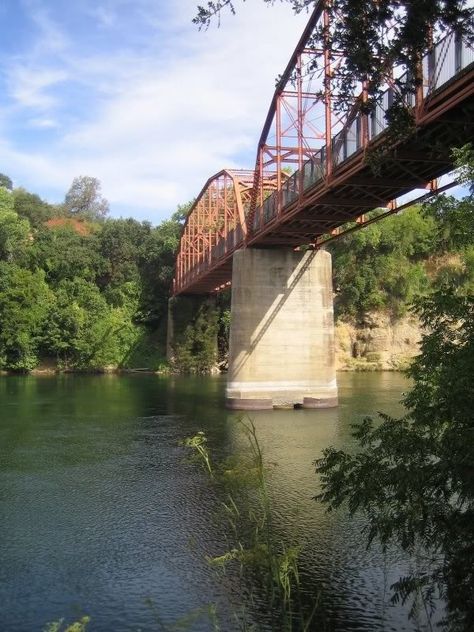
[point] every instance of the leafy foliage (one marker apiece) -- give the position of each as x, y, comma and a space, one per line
6, 182
24, 303
91, 294
387, 265
83, 331
64, 254
375, 54
6, 200
413, 477
454, 223
156, 263
464, 157
14, 233
196, 348
382, 266
31, 207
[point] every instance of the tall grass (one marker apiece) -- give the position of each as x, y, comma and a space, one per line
268, 567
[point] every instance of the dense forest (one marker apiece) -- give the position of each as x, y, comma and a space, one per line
78, 288
387, 265
82, 291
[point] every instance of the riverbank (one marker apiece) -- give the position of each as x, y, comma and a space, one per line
374, 342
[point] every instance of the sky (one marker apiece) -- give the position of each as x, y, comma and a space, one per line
132, 93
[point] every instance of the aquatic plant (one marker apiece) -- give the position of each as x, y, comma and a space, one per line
267, 566
76, 626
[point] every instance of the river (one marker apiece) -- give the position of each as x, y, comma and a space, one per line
102, 514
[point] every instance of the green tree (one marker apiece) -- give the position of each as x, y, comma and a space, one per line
465, 161
413, 477
24, 303
107, 282
121, 242
196, 349
156, 265
223, 303
458, 272
14, 234
6, 200
64, 254
6, 182
182, 211
32, 207
83, 331
84, 199
359, 28
383, 266
454, 221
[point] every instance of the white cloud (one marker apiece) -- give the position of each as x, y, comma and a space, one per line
43, 123
50, 38
160, 119
31, 86
105, 15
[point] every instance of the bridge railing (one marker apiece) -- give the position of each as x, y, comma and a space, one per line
224, 245
448, 57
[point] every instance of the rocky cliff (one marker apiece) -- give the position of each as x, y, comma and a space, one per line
377, 342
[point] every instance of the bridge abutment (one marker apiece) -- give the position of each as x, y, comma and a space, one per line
282, 330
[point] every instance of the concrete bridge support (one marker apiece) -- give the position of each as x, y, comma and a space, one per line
282, 330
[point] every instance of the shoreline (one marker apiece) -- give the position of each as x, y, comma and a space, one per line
100, 372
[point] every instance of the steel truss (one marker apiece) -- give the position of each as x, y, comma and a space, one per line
317, 169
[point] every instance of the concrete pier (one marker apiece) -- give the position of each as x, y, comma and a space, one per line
282, 330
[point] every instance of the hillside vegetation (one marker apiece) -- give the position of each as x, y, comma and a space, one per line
389, 263
79, 289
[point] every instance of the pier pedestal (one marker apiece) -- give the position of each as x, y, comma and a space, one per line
282, 330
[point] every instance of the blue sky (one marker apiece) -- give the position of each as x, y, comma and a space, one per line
130, 92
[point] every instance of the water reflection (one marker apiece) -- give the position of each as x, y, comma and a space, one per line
351, 583
99, 510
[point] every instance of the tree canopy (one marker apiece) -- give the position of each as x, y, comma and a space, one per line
86, 293
413, 477
32, 207
6, 182
84, 199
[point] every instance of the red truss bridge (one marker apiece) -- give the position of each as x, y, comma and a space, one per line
316, 170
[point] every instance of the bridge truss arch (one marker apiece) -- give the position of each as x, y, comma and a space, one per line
215, 227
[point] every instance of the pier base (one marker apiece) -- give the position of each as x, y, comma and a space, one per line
282, 331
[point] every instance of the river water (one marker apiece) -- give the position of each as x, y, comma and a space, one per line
101, 513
